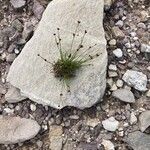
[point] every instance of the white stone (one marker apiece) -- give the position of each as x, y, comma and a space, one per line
113, 87
108, 145
148, 68
133, 118
123, 61
33, 107
148, 93
32, 75
16, 129
118, 53
133, 34
110, 82
110, 124
9, 111
112, 67
112, 42
119, 23
136, 79
119, 83
108, 3
18, 3
124, 18
124, 95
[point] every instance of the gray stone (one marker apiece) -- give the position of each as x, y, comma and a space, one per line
136, 79
145, 48
11, 48
124, 95
108, 145
110, 124
32, 75
138, 140
107, 4
16, 129
141, 25
93, 122
2, 89
117, 32
87, 146
27, 31
55, 137
144, 120
13, 95
17, 4
38, 9
16, 24
10, 57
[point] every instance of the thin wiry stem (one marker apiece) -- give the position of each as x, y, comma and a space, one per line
80, 46
59, 41
45, 59
90, 57
74, 35
85, 51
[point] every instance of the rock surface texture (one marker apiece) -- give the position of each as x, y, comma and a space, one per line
16, 129
33, 75
138, 140
144, 120
124, 95
136, 79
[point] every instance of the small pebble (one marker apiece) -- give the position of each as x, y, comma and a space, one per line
112, 67
39, 143
118, 53
112, 42
133, 118
10, 57
119, 23
112, 74
32, 107
119, 83
148, 93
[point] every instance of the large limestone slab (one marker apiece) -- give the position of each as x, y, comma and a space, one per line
32, 75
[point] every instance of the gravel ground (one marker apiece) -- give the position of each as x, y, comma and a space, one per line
127, 27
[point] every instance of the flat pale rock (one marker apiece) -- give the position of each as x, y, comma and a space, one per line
110, 124
16, 129
124, 95
144, 120
136, 79
33, 76
138, 140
